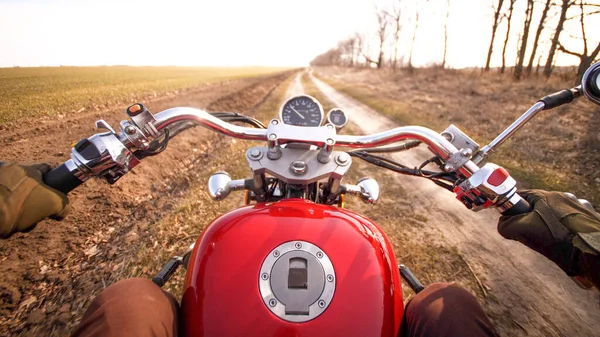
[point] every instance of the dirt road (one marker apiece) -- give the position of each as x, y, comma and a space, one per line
527, 294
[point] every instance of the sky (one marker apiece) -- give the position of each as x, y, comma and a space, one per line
226, 32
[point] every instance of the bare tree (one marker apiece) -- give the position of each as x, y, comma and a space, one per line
414, 37
446, 34
511, 8
559, 27
538, 33
330, 57
396, 17
357, 50
497, 21
382, 32
585, 58
524, 37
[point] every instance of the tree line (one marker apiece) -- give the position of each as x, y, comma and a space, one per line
539, 35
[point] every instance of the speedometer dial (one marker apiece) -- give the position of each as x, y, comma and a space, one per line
302, 110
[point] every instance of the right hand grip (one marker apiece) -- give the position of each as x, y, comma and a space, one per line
62, 179
521, 207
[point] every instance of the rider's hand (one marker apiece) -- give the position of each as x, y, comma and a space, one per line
559, 227
25, 200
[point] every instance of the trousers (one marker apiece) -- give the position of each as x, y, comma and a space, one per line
138, 307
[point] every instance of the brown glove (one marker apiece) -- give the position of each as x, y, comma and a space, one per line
25, 200
560, 228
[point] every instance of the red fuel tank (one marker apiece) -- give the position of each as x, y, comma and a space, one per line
222, 296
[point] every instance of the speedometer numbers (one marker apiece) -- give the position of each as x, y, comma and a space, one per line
302, 110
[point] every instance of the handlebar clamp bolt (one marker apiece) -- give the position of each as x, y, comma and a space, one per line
255, 154
274, 122
342, 159
130, 130
272, 136
467, 153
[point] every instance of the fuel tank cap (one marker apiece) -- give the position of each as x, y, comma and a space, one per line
297, 281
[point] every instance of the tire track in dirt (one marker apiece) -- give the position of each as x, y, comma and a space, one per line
528, 294
295, 87
51, 273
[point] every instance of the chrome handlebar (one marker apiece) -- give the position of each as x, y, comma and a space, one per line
117, 153
201, 117
439, 145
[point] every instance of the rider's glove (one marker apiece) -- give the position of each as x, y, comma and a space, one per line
25, 200
559, 227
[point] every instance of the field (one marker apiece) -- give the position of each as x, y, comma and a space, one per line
131, 229
30, 92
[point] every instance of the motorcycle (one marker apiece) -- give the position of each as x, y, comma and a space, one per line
293, 260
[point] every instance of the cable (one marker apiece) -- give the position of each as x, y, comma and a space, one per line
237, 117
439, 178
396, 148
155, 147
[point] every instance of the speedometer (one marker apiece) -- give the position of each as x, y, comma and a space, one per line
302, 110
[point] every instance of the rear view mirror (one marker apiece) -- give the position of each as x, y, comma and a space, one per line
590, 83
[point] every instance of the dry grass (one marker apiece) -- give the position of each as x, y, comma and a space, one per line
30, 92
558, 150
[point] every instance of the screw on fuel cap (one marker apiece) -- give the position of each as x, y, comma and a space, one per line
297, 281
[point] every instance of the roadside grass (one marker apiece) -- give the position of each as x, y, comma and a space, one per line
47, 91
191, 213
557, 150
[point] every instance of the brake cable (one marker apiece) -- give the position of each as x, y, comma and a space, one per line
439, 178
237, 117
155, 147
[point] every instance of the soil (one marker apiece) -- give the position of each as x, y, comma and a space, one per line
51, 273
523, 292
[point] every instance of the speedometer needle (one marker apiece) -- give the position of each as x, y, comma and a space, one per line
296, 111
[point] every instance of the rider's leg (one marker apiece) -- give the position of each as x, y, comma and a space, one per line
444, 309
132, 307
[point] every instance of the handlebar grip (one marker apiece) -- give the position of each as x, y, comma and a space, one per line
62, 179
520, 207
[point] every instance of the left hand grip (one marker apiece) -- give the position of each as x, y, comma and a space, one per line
62, 179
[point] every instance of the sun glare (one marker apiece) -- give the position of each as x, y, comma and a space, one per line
220, 33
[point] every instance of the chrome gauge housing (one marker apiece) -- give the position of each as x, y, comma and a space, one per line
302, 110
337, 117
